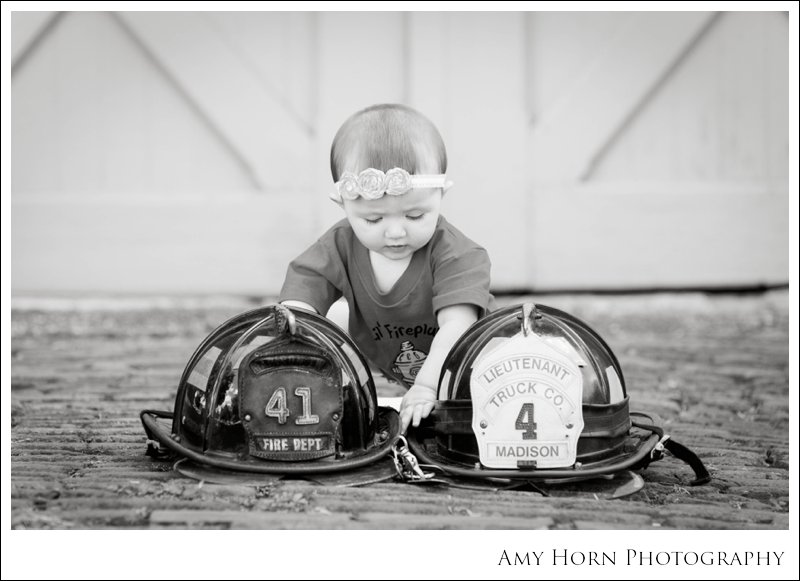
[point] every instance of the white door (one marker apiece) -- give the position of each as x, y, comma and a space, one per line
188, 152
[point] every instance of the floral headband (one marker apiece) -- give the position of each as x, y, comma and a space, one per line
372, 184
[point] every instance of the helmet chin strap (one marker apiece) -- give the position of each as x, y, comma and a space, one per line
406, 463
680, 451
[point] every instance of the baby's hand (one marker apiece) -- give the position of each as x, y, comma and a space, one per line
416, 404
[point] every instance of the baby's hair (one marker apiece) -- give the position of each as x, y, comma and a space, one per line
388, 136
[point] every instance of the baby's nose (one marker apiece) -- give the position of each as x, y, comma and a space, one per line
395, 230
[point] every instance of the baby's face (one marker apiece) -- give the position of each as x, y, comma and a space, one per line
395, 226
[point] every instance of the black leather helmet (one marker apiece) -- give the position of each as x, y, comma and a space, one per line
276, 390
531, 392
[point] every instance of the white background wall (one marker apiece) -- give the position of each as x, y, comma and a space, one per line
187, 152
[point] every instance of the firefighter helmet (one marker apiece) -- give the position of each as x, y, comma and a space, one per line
276, 390
531, 392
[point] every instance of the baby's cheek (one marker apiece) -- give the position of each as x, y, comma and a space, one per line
430, 227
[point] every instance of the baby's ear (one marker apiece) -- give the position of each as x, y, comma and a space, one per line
336, 198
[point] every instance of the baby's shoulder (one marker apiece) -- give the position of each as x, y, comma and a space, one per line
342, 227
339, 236
449, 238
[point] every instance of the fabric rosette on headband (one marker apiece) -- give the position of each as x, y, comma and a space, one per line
372, 184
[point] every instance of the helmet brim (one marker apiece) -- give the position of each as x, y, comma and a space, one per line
636, 452
388, 425
381, 470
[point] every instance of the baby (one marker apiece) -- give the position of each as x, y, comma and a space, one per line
413, 282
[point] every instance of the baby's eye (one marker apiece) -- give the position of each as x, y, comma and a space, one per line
372, 220
414, 216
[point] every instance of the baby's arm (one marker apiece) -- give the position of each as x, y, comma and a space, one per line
312, 279
418, 401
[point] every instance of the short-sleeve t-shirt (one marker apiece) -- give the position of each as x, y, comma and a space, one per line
394, 330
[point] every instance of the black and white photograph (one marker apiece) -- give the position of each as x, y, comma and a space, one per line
373, 290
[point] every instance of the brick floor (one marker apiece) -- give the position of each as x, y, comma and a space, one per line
714, 367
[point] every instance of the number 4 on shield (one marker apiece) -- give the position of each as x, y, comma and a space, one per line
525, 422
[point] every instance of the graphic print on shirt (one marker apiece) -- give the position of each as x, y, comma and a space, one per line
389, 331
409, 361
